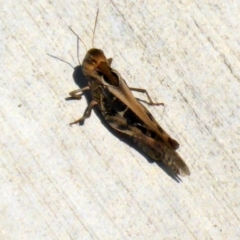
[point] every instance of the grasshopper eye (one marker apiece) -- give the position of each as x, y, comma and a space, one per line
93, 60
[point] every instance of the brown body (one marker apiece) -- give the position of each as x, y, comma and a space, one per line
124, 113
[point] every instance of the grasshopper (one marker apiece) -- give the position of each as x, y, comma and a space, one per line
123, 112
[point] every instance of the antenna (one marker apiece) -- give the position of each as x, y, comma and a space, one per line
95, 25
78, 38
61, 60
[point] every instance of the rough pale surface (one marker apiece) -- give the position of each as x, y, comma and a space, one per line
81, 182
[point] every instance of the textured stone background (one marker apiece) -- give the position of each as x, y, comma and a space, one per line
58, 182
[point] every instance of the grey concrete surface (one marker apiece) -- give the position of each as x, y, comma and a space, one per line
81, 182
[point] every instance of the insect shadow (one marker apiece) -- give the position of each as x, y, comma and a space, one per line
81, 81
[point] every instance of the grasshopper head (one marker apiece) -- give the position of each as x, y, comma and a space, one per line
92, 59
